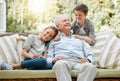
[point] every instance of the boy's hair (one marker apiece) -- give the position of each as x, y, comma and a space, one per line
81, 7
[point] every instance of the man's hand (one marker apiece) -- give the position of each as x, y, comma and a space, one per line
57, 58
84, 60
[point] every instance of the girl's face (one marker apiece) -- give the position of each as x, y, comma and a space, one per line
80, 16
47, 35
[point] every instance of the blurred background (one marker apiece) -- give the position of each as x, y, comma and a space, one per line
25, 16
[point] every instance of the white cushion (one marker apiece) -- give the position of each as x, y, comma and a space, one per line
8, 52
101, 39
20, 42
107, 50
110, 58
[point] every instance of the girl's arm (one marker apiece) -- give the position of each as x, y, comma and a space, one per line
45, 55
25, 54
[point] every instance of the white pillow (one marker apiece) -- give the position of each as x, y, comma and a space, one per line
8, 52
98, 48
20, 42
110, 58
107, 50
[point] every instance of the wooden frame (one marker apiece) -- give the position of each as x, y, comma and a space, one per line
54, 79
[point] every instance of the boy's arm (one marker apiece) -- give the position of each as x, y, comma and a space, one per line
85, 38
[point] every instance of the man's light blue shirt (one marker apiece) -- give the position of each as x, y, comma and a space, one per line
69, 48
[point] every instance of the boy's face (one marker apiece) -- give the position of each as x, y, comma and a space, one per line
80, 16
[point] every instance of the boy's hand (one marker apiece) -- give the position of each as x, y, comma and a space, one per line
78, 37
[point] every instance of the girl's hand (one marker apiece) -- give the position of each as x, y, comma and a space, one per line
36, 56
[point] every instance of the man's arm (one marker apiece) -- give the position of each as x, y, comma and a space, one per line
51, 52
88, 52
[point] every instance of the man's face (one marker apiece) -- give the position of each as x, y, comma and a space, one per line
64, 24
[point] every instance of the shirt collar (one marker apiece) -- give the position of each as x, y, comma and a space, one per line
63, 35
76, 24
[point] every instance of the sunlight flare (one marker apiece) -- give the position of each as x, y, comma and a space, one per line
37, 6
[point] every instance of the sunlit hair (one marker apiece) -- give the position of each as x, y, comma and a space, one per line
49, 27
59, 18
81, 7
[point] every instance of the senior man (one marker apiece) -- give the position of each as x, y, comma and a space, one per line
70, 53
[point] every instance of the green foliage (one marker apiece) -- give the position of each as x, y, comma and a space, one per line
48, 14
103, 13
18, 18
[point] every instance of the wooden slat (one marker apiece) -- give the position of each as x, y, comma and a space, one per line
53, 79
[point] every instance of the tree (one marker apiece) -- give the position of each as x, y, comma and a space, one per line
103, 13
18, 18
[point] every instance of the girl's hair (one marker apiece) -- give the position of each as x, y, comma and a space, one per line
81, 7
50, 27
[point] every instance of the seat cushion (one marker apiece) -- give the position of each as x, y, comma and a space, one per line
102, 73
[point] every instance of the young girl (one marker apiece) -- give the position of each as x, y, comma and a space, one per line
34, 51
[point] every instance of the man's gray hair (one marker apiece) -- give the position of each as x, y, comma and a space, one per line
59, 18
